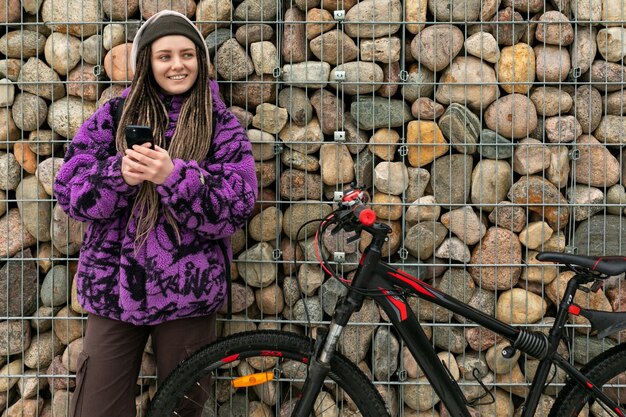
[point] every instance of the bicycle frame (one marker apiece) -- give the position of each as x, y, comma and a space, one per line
374, 275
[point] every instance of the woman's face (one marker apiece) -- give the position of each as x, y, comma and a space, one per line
174, 63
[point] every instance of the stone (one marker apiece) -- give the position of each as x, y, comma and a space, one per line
530, 157
336, 164
25, 157
516, 68
419, 83
437, 45
355, 340
468, 81
295, 47
616, 199
537, 271
449, 176
7, 92
551, 101
264, 57
422, 239
261, 273
465, 224
42, 350
218, 13
508, 33
383, 143
555, 29
387, 206
587, 108
498, 270
374, 112
553, 63
13, 234
299, 213
249, 34
415, 15
149, 8
232, 61
483, 46
42, 142
461, 127
10, 68
256, 10
15, 337
360, 77
119, 10
425, 142
595, 166
491, 180
585, 200
535, 234
391, 78
385, 50
307, 139
80, 17
34, 210
512, 116
302, 162
22, 44
29, 111
12, 11
253, 92
611, 44
562, 129
385, 356
609, 130
509, 216
91, 50
217, 38
390, 177
65, 116
36, 77
419, 179
454, 249
334, 47
84, 83
117, 63
541, 197
494, 146
307, 74
264, 225
605, 75
426, 108
423, 209
270, 118
297, 103
584, 48
385, 14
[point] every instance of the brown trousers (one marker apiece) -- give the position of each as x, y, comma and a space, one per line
108, 367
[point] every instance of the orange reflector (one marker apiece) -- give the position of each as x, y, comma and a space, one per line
252, 380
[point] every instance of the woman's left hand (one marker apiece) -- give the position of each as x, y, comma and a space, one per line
156, 164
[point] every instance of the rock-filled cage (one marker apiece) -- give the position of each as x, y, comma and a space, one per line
484, 131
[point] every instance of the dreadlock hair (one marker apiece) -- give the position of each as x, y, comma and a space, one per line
191, 139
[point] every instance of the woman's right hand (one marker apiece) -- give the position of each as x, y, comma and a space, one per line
132, 171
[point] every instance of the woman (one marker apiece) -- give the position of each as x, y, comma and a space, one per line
155, 257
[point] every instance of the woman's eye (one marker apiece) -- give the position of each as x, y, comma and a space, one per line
163, 58
189, 55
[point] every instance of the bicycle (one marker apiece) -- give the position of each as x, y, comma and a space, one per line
308, 377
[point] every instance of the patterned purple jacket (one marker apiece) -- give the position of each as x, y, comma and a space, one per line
209, 200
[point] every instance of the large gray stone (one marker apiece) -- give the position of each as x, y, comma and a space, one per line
601, 235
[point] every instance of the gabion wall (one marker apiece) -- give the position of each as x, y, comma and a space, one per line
484, 131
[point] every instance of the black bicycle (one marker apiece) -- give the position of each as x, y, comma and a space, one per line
300, 376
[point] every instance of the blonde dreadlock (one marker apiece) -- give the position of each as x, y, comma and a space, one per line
191, 139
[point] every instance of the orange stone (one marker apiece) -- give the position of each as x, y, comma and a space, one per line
25, 156
426, 142
117, 63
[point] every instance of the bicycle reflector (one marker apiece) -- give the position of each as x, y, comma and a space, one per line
367, 217
252, 380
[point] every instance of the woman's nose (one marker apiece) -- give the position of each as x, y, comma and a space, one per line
177, 62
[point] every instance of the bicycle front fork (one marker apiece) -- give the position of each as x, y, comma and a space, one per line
321, 358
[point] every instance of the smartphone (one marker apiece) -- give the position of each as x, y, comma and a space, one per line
138, 135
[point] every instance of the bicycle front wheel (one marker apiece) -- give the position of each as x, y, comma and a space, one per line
608, 371
249, 359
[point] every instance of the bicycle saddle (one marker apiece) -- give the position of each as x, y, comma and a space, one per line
607, 265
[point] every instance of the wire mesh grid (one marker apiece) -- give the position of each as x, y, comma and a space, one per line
484, 131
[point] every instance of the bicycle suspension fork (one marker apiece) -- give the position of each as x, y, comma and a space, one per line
320, 361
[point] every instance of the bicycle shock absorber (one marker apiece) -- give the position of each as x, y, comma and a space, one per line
533, 343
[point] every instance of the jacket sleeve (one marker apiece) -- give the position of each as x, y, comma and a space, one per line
214, 198
89, 185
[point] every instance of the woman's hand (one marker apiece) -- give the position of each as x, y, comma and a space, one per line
144, 164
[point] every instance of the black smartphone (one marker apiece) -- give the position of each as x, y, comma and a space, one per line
138, 135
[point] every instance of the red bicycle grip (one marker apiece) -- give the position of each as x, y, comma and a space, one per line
367, 217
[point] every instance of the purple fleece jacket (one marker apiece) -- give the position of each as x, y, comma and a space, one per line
210, 200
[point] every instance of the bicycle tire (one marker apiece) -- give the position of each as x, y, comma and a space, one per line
283, 347
600, 371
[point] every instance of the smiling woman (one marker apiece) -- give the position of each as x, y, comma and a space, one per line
157, 249
174, 64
